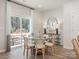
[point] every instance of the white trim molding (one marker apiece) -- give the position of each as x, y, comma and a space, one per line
67, 47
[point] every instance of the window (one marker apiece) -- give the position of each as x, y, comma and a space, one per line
25, 25
20, 24
15, 24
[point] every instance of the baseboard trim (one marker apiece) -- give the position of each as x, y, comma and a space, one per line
2, 50
66, 47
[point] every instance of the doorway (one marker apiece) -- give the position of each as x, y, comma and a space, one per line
19, 26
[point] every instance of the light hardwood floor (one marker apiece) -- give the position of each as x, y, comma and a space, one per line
60, 53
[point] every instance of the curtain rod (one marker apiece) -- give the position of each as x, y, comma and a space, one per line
21, 4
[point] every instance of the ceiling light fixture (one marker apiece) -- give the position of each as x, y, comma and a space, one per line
39, 6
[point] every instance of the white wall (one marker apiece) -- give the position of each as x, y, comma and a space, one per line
69, 15
71, 22
2, 25
14, 9
37, 22
58, 13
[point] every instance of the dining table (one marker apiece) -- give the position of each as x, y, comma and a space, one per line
32, 40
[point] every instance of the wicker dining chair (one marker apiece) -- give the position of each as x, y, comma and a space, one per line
27, 46
51, 45
39, 44
76, 47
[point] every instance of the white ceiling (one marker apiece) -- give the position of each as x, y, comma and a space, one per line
42, 5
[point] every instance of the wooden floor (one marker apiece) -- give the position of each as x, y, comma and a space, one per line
60, 53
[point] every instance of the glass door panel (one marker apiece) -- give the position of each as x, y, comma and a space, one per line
15, 25
25, 25
15, 31
19, 26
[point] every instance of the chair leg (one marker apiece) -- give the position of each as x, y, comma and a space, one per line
52, 51
24, 52
46, 50
43, 52
36, 54
32, 50
27, 53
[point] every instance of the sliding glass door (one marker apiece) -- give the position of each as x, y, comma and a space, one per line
19, 26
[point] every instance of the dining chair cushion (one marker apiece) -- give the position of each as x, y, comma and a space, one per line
49, 44
31, 45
